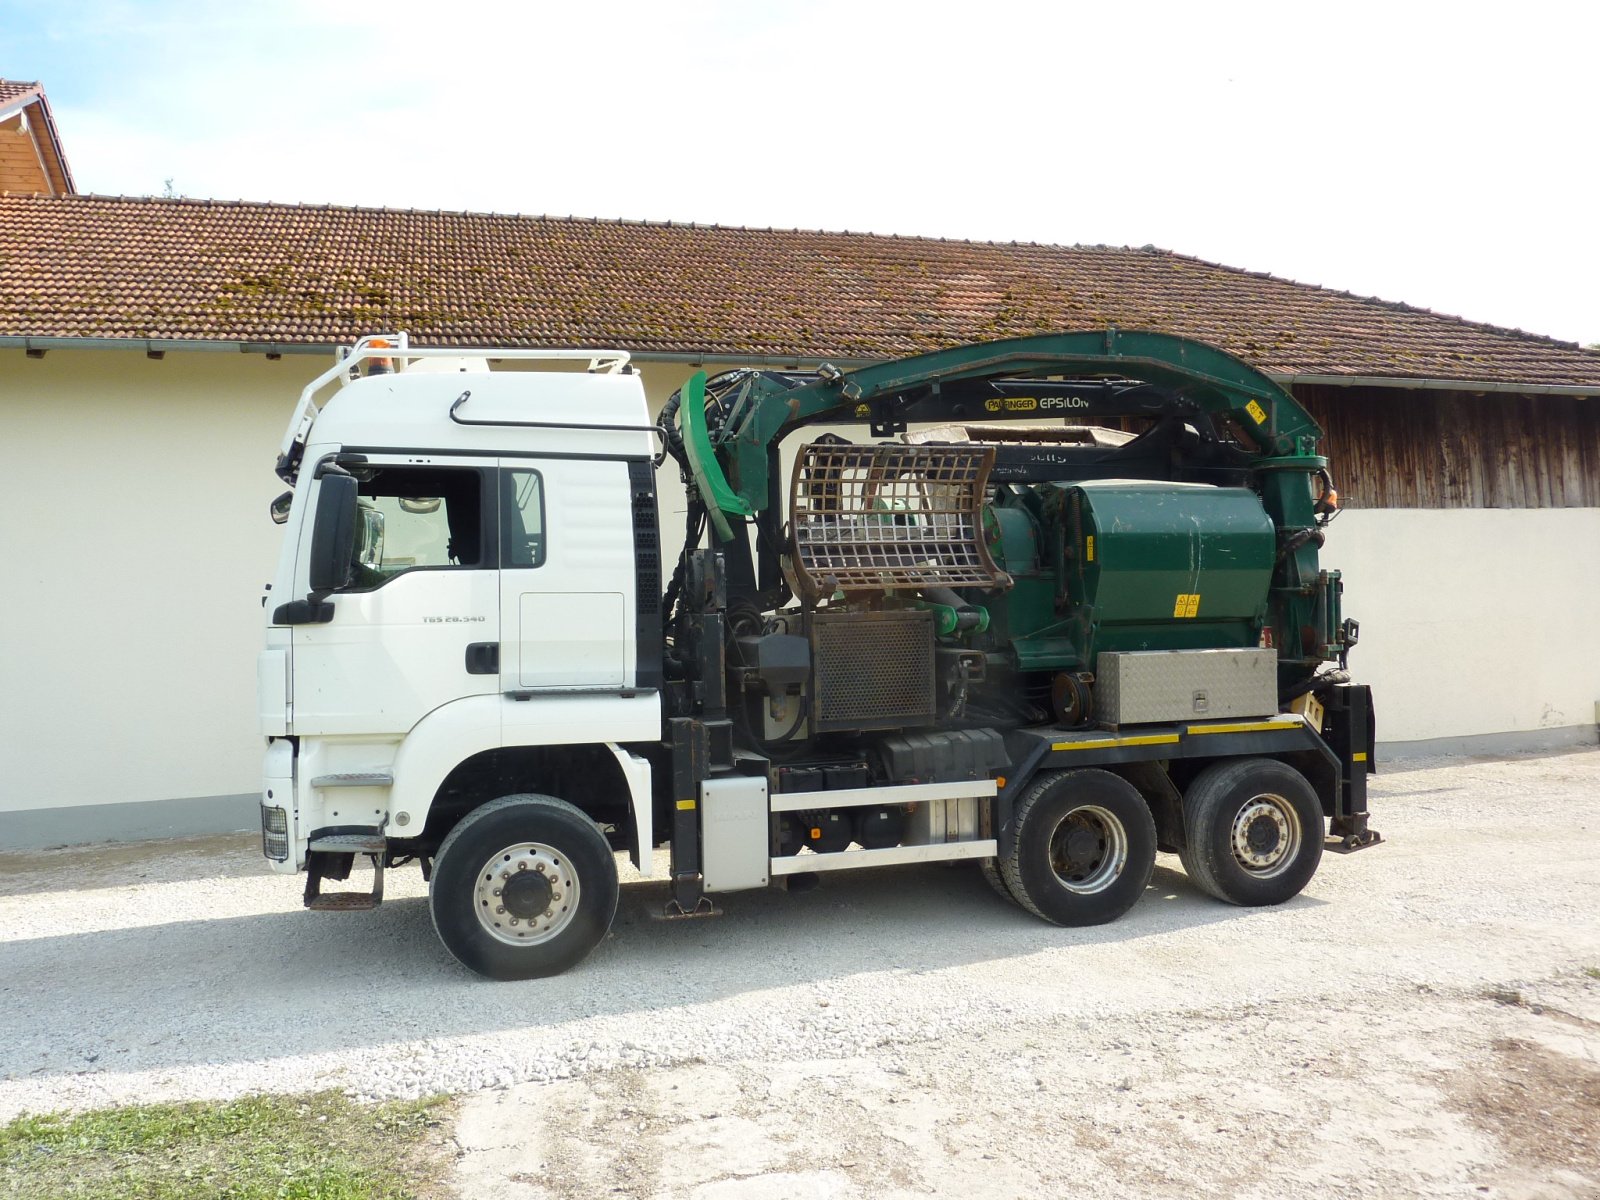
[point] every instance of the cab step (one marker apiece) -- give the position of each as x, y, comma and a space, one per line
350, 843
346, 779
341, 901
344, 902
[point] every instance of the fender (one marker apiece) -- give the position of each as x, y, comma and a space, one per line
637, 772
436, 745
455, 732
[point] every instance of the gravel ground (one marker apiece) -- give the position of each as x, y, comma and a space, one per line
1423, 1021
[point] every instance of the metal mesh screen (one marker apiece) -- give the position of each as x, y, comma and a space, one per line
872, 670
870, 518
274, 833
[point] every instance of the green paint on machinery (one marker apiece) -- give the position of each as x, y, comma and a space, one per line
1127, 565
1201, 532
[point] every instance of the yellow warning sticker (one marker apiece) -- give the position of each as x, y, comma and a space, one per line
1257, 413
1088, 547
1187, 605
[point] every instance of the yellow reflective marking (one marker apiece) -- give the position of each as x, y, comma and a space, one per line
1257, 413
685, 805
1186, 605
1088, 547
1243, 727
1155, 739
1362, 757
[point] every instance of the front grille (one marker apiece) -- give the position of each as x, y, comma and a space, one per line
274, 833
872, 670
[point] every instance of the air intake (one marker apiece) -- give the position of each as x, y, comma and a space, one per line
872, 670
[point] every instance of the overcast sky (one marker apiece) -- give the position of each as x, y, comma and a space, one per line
1440, 154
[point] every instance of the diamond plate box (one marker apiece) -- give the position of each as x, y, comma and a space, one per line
1146, 686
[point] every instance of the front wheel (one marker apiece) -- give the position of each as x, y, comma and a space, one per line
1084, 849
1253, 831
523, 887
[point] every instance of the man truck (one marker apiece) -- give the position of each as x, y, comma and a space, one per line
985, 630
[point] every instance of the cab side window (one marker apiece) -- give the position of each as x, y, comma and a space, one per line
413, 518
522, 533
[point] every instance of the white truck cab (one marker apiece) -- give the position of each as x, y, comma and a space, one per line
469, 580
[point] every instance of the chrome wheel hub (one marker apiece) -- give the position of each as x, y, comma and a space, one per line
1088, 850
1266, 835
526, 894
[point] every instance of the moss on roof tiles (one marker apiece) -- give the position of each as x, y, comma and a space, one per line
314, 275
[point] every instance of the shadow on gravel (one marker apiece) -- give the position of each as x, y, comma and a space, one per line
235, 989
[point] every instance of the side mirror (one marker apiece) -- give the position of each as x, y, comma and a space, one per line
420, 507
278, 510
333, 534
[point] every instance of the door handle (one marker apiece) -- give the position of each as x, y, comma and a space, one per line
483, 658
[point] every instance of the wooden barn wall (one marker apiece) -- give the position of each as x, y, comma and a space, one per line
1393, 448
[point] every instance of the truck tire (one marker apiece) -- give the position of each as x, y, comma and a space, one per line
1084, 848
523, 887
990, 868
1253, 831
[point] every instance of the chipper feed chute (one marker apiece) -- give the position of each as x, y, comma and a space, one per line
875, 518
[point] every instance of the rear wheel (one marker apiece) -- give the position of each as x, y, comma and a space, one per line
523, 887
1253, 831
1085, 846
990, 867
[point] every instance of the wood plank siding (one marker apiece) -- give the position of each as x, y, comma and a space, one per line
1393, 448
21, 169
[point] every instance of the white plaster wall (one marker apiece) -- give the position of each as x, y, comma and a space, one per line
1473, 621
134, 542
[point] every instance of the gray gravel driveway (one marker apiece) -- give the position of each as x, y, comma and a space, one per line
894, 1032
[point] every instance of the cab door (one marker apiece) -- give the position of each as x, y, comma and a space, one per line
566, 575
410, 629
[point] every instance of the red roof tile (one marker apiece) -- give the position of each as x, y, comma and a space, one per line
101, 267
11, 89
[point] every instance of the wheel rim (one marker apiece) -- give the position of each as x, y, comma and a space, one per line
526, 894
1088, 849
1266, 835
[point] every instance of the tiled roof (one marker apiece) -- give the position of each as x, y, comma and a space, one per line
11, 90
101, 267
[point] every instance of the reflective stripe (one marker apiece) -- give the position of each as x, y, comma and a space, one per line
685, 805
1158, 739
1362, 757
1244, 727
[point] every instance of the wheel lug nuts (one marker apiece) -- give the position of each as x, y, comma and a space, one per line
497, 891
522, 866
499, 908
541, 868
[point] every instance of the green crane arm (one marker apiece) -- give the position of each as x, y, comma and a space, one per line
730, 465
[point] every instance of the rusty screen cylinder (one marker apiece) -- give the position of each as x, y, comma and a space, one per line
876, 518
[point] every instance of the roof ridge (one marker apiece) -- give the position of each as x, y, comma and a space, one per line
1391, 305
573, 218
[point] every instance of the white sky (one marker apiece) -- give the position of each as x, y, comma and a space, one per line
1440, 154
